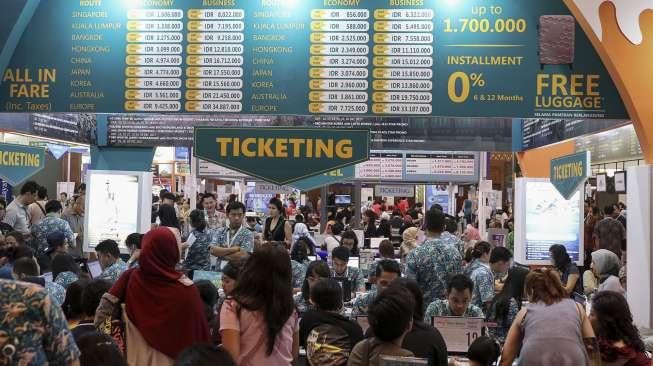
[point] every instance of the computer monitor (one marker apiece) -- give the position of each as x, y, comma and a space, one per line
458, 332
94, 269
345, 285
214, 277
354, 262
343, 199
312, 258
375, 243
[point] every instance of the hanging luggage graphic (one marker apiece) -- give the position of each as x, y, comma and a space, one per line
557, 40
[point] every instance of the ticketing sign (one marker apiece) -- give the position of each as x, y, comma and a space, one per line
311, 57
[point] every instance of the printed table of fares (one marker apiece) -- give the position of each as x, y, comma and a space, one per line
338, 57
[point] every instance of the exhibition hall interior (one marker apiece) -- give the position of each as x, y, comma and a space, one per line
326, 182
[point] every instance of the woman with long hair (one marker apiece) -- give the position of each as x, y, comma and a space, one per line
162, 308
619, 339
552, 329
369, 220
299, 260
277, 228
168, 219
198, 244
569, 274
259, 323
507, 303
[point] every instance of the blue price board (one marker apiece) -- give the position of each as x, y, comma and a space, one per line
471, 58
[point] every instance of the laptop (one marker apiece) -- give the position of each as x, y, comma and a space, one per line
375, 243
345, 284
214, 277
312, 258
459, 332
385, 360
354, 262
94, 269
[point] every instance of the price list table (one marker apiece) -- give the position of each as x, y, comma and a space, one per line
154, 58
386, 166
215, 57
403, 61
424, 165
339, 57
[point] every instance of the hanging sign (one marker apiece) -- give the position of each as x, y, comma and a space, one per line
281, 155
569, 172
19, 162
394, 191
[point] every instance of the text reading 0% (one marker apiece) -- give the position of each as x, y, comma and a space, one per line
466, 82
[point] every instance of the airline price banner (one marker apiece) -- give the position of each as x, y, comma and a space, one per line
498, 58
281, 155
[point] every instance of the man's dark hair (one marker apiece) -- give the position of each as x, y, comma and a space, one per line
387, 265
108, 246
53, 206
134, 240
232, 269
29, 187
460, 282
168, 196
26, 267
204, 354
337, 228
42, 193
450, 224
608, 210
500, 254
391, 313
435, 220
326, 294
99, 349
341, 252
205, 196
92, 294
436, 206
235, 205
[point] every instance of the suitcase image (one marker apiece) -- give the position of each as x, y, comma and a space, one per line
557, 40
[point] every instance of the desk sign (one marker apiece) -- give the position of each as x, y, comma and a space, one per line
458, 332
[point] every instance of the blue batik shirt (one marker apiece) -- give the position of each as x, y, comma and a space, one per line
243, 238
199, 256
483, 279
114, 271
298, 273
431, 264
66, 278
50, 224
35, 331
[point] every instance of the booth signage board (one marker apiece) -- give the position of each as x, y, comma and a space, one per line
324, 179
19, 162
281, 155
208, 169
362, 57
269, 188
394, 191
569, 172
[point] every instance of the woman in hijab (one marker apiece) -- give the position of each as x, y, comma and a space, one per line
410, 241
605, 266
301, 231
162, 309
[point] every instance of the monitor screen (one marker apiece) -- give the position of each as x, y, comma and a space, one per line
342, 199
214, 277
353, 262
345, 285
94, 269
312, 258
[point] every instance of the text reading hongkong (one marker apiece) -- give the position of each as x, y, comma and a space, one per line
19, 159
285, 147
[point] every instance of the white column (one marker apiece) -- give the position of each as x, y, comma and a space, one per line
640, 240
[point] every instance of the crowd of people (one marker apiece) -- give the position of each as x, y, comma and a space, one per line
282, 291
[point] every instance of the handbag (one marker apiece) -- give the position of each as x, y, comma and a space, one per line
117, 326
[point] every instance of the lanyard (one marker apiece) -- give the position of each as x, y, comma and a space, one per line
229, 238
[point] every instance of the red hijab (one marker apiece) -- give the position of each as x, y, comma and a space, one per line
166, 308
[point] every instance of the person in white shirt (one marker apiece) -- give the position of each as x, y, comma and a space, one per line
17, 215
334, 240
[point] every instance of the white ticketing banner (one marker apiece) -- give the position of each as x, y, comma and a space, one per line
394, 191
